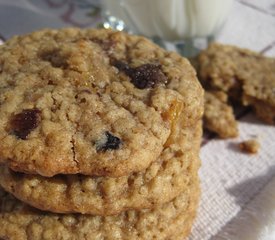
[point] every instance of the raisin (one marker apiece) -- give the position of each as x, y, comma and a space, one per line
23, 123
112, 143
147, 76
144, 76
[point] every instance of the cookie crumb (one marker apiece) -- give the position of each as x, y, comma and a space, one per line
250, 146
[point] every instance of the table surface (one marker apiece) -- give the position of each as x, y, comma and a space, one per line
230, 180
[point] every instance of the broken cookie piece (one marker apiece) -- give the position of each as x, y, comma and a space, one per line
243, 75
218, 115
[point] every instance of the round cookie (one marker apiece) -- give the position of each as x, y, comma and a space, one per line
171, 220
94, 102
165, 179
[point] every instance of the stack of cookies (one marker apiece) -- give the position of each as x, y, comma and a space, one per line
100, 135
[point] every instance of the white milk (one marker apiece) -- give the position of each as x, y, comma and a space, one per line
170, 19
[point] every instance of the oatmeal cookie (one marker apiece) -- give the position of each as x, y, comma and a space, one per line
244, 75
218, 115
168, 221
165, 179
93, 102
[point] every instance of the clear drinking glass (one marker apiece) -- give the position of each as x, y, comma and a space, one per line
187, 24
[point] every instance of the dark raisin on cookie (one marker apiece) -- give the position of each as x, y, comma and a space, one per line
145, 76
112, 143
23, 123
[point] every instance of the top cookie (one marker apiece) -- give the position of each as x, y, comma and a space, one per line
95, 102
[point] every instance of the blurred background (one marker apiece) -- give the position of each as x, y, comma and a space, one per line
250, 23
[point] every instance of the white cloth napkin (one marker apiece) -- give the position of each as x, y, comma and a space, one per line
230, 180
257, 220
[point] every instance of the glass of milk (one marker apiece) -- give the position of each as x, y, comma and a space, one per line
183, 22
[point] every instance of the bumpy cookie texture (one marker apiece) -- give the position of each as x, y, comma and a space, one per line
165, 179
67, 106
244, 75
218, 115
168, 221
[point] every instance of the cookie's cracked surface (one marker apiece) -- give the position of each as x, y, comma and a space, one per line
67, 75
